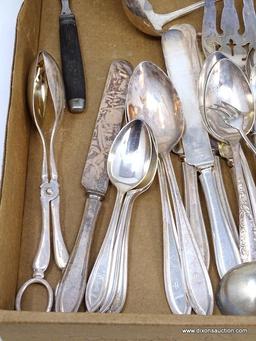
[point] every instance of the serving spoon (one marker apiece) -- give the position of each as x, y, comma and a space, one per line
151, 97
128, 163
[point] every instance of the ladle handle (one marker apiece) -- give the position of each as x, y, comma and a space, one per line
194, 211
72, 64
71, 288
225, 247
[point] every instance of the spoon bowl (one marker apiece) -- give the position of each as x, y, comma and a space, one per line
130, 156
227, 83
237, 290
152, 97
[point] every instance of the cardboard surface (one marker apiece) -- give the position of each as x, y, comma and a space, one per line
105, 34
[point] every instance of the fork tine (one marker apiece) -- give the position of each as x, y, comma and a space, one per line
230, 107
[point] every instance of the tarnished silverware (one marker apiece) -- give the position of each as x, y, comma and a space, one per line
95, 179
143, 16
231, 42
181, 59
44, 78
226, 82
129, 161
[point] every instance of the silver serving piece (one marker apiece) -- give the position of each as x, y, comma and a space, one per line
231, 42
143, 16
45, 78
181, 59
95, 180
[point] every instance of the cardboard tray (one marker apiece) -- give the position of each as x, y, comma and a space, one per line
105, 34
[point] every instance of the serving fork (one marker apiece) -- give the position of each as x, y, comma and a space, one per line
231, 42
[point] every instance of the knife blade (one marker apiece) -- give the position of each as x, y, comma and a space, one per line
71, 58
183, 68
71, 288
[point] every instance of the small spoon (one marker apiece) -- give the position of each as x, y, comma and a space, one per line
152, 97
227, 83
142, 15
128, 163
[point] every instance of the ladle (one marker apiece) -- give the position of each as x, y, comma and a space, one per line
142, 15
151, 97
129, 161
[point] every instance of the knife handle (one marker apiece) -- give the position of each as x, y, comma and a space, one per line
71, 288
225, 248
72, 64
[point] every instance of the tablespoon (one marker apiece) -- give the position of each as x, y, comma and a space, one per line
152, 97
116, 294
128, 163
226, 82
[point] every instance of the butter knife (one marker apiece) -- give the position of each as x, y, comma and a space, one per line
181, 59
70, 290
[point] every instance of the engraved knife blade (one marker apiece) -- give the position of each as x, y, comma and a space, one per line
70, 290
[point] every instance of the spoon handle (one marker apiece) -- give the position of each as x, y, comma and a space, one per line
194, 211
224, 199
195, 272
122, 281
99, 277
159, 20
173, 273
247, 226
249, 182
119, 264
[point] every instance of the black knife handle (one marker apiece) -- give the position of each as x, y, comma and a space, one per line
72, 64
